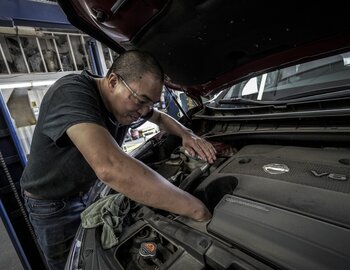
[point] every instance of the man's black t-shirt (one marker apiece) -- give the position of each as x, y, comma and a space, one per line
56, 168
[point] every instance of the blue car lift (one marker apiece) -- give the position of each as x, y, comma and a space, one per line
12, 158
12, 213
32, 13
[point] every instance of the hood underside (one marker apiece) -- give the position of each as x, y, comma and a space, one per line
206, 45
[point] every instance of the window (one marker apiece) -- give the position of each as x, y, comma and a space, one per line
310, 78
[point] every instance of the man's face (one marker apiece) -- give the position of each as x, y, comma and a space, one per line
134, 99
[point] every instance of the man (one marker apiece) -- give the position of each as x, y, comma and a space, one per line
72, 146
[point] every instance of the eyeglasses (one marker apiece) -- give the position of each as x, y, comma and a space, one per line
139, 101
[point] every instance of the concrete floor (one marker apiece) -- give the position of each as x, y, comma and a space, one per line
8, 256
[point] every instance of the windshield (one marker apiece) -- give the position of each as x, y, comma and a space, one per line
308, 79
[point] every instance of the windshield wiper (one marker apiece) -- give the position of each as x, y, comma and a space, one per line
319, 93
302, 97
245, 101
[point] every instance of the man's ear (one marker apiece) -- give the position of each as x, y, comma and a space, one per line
112, 80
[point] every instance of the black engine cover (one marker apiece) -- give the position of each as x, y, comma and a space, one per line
289, 205
311, 181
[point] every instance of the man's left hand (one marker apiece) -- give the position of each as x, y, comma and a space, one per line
197, 145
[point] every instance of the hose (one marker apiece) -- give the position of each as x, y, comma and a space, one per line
188, 183
19, 202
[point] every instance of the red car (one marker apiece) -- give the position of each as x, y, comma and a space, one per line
276, 77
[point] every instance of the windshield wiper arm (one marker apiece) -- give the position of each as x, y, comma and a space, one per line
244, 101
324, 92
302, 97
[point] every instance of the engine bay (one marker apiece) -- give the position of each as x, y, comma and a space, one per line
273, 206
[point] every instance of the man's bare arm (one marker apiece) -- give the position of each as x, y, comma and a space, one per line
192, 143
130, 176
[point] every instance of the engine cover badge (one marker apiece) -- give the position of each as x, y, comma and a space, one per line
276, 168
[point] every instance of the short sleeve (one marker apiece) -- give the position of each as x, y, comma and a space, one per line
69, 104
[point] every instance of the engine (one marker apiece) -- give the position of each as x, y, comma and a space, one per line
283, 206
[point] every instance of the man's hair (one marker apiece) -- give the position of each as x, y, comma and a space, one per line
131, 65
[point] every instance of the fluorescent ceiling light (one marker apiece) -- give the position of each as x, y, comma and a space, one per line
15, 85
26, 84
42, 83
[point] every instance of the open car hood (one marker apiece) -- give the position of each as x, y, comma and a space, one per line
207, 45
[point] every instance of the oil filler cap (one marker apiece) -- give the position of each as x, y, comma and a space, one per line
148, 249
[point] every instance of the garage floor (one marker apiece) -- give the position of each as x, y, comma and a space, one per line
8, 256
